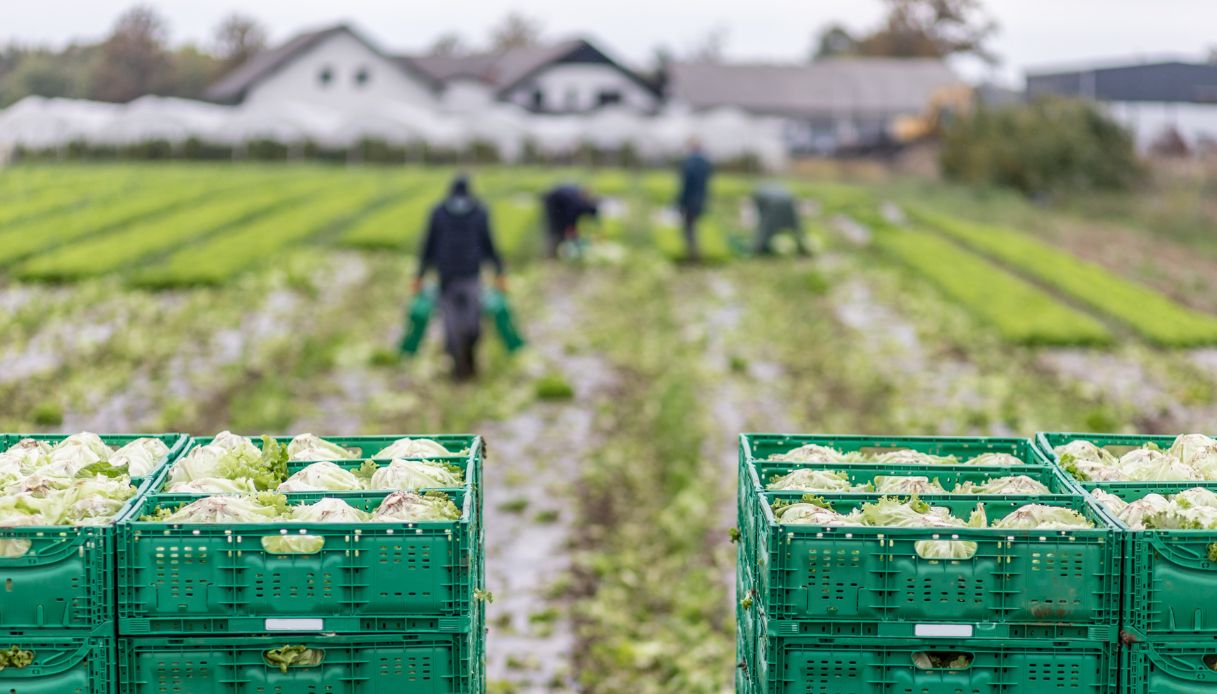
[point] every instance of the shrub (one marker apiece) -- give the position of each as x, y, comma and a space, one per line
1050, 145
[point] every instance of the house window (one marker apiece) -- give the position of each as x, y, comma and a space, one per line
362, 76
608, 97
325, 76
538, 100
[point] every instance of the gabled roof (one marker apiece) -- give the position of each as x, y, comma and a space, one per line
232, 87
839, 85
504, 70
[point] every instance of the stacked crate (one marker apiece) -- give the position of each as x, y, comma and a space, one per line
857, 609
379, 606
1169, 613
57, 593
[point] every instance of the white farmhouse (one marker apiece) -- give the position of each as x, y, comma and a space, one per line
337, 69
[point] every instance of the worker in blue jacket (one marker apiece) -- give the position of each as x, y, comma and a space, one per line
695, 173
457, 244
564, 206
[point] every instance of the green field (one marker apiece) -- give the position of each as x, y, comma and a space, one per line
270, 299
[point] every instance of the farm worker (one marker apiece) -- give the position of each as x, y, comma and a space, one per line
775, 213
564, 206
695, 172
458, 243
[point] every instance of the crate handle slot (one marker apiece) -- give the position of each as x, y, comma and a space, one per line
945, 550
942, 660
298, 656
293, 544
14, 549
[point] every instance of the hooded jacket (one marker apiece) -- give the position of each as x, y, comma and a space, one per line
458, 240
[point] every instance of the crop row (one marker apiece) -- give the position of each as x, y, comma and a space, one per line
224, 255
1018, 310
712, 240
113, 251
23, 239
1150, 314
396, 225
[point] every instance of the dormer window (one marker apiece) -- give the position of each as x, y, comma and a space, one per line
325, 76
362, 75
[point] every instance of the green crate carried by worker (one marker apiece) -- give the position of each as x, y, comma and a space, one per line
496, 306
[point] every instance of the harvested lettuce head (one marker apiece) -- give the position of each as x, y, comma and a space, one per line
1109, 501
235, 458
810, 453
77, 452
329, 511
885, 484
1041, 517
308, 447
215, 485
258, 508
1195, 497
141, 456
29, 454
1196, 450
413, 475
807, 480
1013, 484
1001, 459
1086, 461
411, 507
811, 510
911, 457
323, 476
914, 513
413, 448
1152, 465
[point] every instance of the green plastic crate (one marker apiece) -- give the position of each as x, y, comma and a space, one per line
65, 580
890, 666
870, 581
61, 665
181, 579
1170, 576
1170, 668
756, 449
370, 663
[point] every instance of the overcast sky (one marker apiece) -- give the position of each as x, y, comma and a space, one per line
1033, 32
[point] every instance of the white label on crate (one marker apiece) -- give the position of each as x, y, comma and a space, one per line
943, 631
295, 625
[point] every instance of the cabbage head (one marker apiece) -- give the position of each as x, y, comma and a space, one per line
1086, 461
234, 458
806, 513
891, 512
257, 508
320, 477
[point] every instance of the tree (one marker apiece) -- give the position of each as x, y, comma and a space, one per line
835, 40
193, 71
449, 45
516, 30
133, 60
237, 39
931, 29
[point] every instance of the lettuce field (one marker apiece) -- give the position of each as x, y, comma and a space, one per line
200, 298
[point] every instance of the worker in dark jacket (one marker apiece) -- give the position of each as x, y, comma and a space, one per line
695, 173
564, 206
458, 243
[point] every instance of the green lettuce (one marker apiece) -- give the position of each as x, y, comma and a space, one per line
808, 480
322, 476
311, 448
412, 475
413, 448
413, 507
